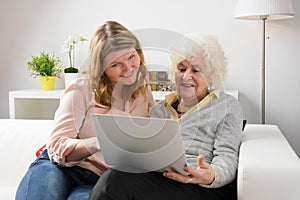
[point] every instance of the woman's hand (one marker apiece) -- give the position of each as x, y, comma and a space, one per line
204, 174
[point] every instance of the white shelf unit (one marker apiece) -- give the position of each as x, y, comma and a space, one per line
42, 104
33, 103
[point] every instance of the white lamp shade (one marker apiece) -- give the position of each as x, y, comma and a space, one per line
267, 9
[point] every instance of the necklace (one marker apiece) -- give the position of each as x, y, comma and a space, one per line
179, 112
177, 109
175, 105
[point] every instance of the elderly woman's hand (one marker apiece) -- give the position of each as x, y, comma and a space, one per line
203, 175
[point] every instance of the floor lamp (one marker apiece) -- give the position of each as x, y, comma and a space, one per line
263, 10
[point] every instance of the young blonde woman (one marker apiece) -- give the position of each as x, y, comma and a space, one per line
114, 82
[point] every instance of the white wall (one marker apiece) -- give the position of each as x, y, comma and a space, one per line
28, 27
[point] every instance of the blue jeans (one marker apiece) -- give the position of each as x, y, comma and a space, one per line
46, 180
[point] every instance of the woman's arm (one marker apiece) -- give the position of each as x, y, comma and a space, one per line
227, 142
65, 145
83, 149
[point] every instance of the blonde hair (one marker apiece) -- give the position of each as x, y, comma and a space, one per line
111, 37
192, 45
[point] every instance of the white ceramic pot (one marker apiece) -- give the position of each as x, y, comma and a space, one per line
70, 77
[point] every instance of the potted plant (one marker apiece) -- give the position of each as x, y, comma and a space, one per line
47, 67
71, 72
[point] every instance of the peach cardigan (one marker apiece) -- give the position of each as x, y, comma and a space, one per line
73, 123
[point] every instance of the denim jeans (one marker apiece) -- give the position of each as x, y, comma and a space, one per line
46, 180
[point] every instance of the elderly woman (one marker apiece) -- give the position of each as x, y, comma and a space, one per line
211, 126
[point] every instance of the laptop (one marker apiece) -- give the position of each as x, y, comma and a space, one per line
139, 144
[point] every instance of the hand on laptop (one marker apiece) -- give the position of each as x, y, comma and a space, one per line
203, 175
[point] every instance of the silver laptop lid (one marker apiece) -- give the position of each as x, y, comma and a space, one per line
138, 144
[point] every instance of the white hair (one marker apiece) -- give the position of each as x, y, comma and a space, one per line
192, 45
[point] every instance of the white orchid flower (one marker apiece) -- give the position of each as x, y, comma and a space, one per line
69, 46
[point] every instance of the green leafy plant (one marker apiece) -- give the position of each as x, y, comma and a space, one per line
45, 65
69, 47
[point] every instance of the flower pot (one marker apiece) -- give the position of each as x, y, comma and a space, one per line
47, 82
70, 77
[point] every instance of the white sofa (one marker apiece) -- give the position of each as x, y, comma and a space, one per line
269, 169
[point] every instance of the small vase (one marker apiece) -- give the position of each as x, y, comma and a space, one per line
70, 77
47, 82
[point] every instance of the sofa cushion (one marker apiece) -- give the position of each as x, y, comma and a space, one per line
20, 140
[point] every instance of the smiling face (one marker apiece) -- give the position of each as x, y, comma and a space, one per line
191, 79
122, 66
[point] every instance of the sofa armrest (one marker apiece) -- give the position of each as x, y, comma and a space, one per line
268, 166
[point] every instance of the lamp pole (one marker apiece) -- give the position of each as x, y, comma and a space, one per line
263, 73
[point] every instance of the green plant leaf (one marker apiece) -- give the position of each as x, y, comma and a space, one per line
45, 65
